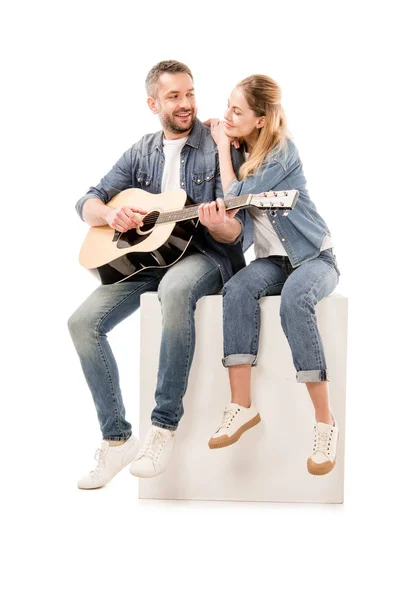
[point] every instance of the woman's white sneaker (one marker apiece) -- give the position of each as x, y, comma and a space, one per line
236, 419
153, 457
110, 461
323, 457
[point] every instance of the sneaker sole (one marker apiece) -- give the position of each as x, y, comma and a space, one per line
224, 441
148, 476
320, 469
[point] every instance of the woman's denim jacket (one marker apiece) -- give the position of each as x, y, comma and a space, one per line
142, 167
303, 230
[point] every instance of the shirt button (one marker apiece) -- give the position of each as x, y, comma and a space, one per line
139, 179
147, 182
182, 161
273, 221
182, 183
283, 239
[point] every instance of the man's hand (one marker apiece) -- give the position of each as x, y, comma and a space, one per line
125, 218
214, 216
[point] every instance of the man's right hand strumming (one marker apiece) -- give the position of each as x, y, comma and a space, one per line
95, 213
125, 218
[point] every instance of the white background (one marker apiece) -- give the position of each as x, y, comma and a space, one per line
73, 100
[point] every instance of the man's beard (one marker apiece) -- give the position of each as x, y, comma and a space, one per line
169, 124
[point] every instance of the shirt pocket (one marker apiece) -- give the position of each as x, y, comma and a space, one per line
204, 185
143, 180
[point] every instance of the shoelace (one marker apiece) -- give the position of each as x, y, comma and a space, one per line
99, 456
322, 441
152, 446
229, 413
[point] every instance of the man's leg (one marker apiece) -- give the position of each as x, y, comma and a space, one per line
107, 306
185, 283
193, 277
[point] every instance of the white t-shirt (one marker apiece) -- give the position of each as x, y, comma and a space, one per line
266, 240
172, 168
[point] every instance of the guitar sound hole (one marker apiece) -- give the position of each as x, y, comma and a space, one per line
149, 221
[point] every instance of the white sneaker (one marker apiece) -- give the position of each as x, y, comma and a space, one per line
235, 421
110, 461
152, 458
323, 458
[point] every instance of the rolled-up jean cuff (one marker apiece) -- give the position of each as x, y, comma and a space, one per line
311, 376
164, 426
117, 438
239, 359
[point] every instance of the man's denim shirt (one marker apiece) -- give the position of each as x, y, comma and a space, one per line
303, 231
142, 167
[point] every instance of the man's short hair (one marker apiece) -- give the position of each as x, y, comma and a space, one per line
165, 66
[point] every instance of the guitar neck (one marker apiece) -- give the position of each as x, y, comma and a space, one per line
191, 212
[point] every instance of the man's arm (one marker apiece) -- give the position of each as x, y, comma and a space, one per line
92, 207
117, 179
95, 212
221, 224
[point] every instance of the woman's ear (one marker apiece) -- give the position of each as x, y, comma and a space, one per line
260, 123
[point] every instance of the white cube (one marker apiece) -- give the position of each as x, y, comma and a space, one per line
268, 463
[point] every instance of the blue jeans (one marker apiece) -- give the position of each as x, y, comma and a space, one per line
300, 289
179, 288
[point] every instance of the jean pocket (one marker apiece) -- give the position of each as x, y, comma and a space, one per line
329, 257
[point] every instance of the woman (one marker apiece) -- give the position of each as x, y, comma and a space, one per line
294, 258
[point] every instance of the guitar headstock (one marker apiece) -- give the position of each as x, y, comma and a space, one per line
280, 200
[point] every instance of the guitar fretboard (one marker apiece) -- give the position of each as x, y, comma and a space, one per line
271, 200
191, 212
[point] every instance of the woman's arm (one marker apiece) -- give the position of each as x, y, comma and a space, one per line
224, 153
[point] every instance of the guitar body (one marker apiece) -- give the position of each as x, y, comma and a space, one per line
166, 232
115, 256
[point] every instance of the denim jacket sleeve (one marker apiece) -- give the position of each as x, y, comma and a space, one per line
267, 177
119, 178
237, 160
220, 194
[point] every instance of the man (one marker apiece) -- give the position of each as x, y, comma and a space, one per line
181, 156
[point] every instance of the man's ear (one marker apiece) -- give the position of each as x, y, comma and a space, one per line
152, 104
261, 122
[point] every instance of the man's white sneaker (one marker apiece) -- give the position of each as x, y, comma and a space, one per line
323, 457
110, 461
235, 421
152, 458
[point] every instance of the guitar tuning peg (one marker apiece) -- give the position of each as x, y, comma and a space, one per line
285, 213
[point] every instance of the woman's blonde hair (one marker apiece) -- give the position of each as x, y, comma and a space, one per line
263, 96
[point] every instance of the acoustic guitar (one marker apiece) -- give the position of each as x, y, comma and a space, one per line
166, 233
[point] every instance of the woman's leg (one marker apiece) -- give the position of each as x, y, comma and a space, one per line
306, 286
241, 319
319, 394
239, 381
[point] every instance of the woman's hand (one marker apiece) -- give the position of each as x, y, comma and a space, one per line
218, 133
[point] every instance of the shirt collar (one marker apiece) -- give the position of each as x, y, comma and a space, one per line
193, 139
